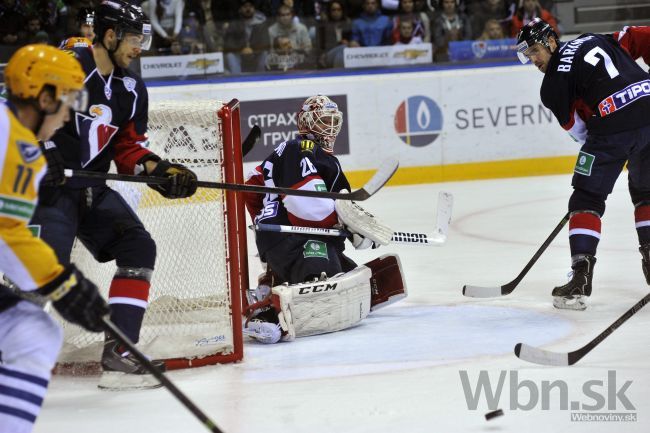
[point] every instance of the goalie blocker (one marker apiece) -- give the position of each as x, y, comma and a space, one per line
332, 304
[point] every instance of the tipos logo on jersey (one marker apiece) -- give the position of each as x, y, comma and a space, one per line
624, 97
418, 121
95, 131
28, 151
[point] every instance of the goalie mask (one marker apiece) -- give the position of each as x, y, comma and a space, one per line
535, 32
320, 120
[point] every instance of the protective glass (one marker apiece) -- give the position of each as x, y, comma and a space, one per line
138, 41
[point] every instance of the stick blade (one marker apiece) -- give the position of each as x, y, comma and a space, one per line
481, 292
541, 356
385, 171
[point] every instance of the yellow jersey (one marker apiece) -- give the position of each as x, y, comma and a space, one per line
26, 260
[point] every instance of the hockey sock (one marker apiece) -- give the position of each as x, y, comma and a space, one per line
642, 220
584, 233
128, 300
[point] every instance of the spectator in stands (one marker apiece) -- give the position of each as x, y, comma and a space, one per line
420, 20
240, 54
191, 36
166, 19
527, 11
486, 10
210, 15
449, 25
295, 31
407, 33
333, 34
35, 32
283, 57
12, 23
371, 28
492, 30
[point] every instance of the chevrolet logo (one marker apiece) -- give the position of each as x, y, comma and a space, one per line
201, 63
411, 54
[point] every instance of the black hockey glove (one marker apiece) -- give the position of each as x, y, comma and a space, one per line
182, 180
55, 164
77, 299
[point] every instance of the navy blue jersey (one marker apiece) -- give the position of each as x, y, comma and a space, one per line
297, 164
593, 86
114, 126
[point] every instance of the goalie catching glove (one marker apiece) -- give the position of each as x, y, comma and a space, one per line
77, 299
182, 180
366, 230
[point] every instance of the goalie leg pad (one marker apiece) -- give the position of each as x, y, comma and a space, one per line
324, 306
387, 284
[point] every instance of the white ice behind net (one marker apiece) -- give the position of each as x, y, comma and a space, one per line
189, 311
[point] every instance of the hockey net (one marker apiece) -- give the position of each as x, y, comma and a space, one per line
194, 312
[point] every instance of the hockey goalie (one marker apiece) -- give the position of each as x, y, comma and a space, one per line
310, 286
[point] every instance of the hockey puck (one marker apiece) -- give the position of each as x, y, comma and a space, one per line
493, 414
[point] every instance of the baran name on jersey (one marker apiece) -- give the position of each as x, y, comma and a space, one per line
567, 53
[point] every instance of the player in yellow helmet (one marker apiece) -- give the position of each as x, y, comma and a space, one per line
42, 84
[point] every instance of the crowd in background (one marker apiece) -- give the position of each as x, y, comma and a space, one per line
262, 35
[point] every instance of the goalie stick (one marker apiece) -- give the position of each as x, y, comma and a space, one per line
110, 328
506, 289
383, 174
546, 357
437, 238
250, 140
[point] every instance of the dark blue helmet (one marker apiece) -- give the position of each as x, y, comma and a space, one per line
122, 17
535, 32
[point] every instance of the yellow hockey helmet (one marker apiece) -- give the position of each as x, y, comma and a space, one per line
34, 66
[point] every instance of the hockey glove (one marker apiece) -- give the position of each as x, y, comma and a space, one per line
55, 164
77, 299
361, 243
366, 230
182, 180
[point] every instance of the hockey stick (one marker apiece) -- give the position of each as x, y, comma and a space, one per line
438, 238
506, 289
546, 357
383, 174
250, 140
124, 340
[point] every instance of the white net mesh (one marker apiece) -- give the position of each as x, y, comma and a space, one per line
189, 312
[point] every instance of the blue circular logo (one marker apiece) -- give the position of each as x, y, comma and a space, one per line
418, 121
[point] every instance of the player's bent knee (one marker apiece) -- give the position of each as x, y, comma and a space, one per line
582, 201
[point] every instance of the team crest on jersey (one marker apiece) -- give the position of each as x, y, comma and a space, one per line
129, 84
306, 146
95, 130
28, 151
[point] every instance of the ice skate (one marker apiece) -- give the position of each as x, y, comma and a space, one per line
122, 371
573, 295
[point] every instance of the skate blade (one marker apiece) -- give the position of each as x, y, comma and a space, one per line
578, 303
118, 381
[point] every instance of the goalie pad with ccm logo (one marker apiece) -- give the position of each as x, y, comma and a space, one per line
339, 302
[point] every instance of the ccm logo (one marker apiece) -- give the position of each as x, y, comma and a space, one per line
410, 237
317, 288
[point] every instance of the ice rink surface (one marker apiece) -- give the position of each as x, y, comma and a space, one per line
402, 369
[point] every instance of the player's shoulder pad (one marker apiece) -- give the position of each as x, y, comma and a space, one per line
307, 145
